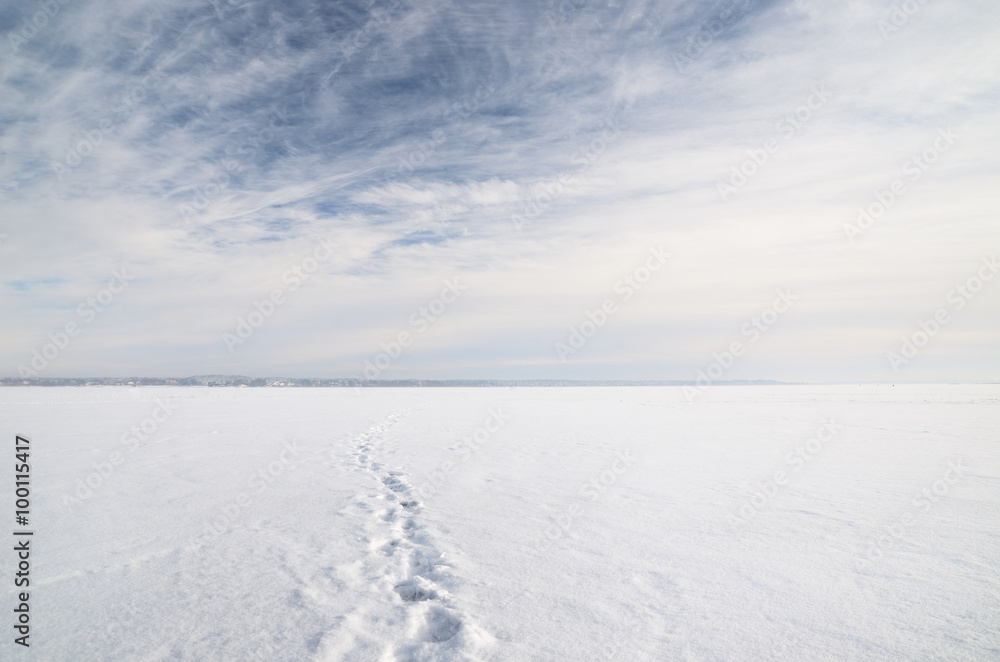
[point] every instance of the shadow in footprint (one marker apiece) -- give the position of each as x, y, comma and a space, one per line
410, 591
409, 528
395, 484
440, 625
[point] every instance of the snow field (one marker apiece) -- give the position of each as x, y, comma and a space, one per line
795, 523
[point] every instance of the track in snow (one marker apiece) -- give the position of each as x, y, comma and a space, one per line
414, 573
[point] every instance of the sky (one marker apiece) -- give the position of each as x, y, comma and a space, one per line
798, 191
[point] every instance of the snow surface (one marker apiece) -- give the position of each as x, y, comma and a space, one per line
348, 551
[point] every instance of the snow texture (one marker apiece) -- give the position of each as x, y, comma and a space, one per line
765, 523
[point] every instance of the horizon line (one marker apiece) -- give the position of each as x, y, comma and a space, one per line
219, 380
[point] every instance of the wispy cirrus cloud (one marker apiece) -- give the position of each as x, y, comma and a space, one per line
208, 145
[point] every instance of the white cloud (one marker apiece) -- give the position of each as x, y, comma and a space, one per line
303, 142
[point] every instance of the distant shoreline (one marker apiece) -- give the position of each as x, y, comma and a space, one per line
296, 382
348, 382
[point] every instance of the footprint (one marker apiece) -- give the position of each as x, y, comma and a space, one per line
439, 625
422, 565
395, 484
411, 591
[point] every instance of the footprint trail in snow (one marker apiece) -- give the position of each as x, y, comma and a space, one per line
416, 574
